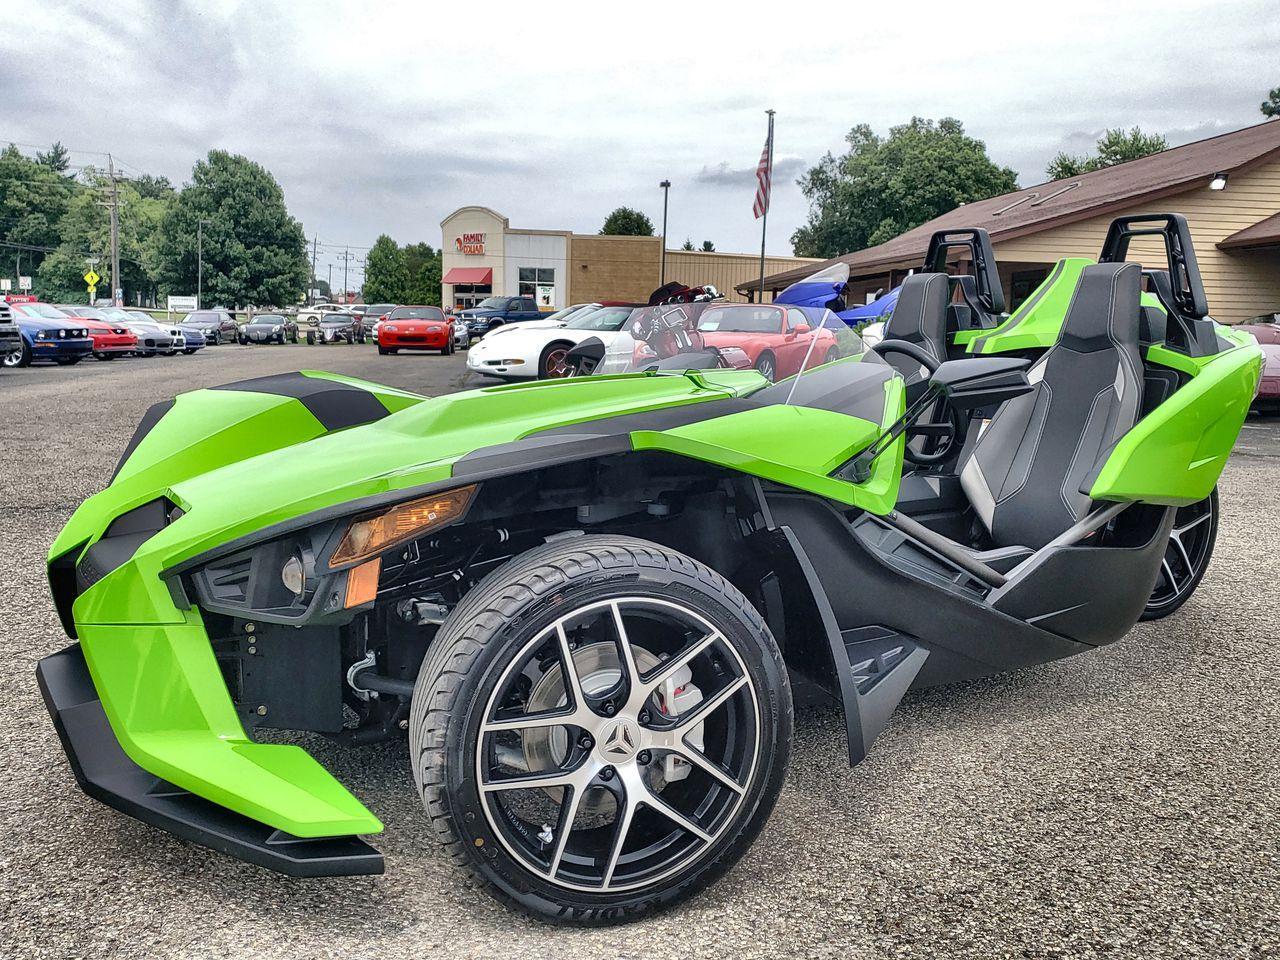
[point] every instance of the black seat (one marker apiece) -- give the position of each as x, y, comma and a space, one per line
919, 317
1024, 474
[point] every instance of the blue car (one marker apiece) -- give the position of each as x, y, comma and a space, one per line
194, 337
47, 339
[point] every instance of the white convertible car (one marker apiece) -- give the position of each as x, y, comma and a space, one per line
537, 348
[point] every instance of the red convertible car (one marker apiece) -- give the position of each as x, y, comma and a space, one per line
1266, 330
415, 328
776, 339
110, 340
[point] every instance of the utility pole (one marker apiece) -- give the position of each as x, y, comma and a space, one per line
331, 283
199, 260
117, 290
312, 285
666, 192
347, 257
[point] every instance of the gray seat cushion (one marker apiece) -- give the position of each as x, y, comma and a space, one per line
1024, 474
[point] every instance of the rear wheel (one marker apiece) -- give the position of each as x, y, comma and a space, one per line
600, 729
1186, 558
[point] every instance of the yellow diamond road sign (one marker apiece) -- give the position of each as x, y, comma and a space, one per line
91, 278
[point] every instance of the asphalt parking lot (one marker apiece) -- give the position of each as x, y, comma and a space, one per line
1121, 804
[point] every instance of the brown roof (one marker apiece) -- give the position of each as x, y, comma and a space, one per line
1051, 204
1264, 233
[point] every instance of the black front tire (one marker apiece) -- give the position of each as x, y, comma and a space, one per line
767, 367
475, 647
1186, 558
19, 358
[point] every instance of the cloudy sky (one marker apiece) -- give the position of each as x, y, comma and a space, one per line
384, 116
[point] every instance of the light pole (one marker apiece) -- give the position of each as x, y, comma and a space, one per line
666, 192
199, 260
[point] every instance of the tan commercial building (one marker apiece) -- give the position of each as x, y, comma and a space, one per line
1228, 188
484, 256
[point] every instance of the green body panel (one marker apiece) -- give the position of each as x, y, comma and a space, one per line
1175, 454
237, 462
1036, 324
796, 446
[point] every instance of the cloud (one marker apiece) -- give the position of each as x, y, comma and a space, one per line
723, 175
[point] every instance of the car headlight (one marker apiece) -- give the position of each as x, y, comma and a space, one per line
390, 328
371, 534
42, 334
276, 328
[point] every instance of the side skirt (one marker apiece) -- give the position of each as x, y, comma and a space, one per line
105, 773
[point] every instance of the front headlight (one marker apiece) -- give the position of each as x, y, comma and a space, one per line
371, 534
390, 328
276, 328
42, 335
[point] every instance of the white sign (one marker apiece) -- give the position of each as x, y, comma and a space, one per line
6, 284
179, 304
24, 283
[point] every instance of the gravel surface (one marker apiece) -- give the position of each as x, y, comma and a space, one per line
1120, 804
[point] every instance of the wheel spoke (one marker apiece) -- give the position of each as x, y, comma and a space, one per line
534, 781
531, 721
572, 681
694, 756
568, 813
1168, 575
1179, 531
650, 686
676, 817
1176, 540
620, 833
700, 712
631, 672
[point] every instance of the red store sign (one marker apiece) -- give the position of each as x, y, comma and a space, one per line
470, 244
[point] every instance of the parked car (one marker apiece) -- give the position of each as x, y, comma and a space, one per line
779, 341
186, 339
10, 336
494, 312
152, 337
375, 313
110, 340
420, 328
1268, 397
538, 349
60, 339
1265, 329
337, 327
312, 315
270, 328
218, 326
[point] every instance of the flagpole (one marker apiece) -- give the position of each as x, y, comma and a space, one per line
764, 219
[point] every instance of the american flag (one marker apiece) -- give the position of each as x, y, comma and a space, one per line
764, 174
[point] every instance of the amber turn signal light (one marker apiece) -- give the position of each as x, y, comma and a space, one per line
371, 534
362, 583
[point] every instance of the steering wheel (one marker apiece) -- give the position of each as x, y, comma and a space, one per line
941, 436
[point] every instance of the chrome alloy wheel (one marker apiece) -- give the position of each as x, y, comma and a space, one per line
1186, 556
647, 751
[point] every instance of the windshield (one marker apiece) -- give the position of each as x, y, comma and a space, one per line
747, 318
137, 315
493, 303
84, 313
268, 318
608, 319
417, 313
201, 317
674, 338
379, 309
38, 310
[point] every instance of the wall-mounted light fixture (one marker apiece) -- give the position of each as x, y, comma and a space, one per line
1219, 182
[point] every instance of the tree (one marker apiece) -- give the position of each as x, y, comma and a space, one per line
883, 186
153, 187
1114, 146
386, 275
254, 251
33, 200
1271, 106
708, 246
688, 244
625, 222
56, 158
424, 268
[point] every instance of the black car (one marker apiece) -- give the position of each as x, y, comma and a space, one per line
218, 326
270, 328
338, 328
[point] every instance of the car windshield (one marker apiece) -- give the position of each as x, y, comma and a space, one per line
336, 318
202, 317
417, 313
269, 318
111, 313
85, 313
136, 315
379, 309
608, 319
493, 303
38, 310
741, 318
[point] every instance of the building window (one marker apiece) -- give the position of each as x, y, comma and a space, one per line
539, 283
